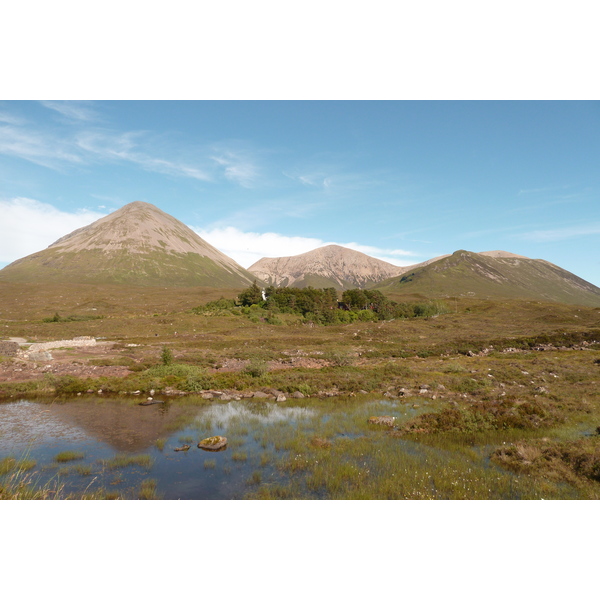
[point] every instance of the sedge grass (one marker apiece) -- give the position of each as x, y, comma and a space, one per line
69, 455
121, 461
148, 489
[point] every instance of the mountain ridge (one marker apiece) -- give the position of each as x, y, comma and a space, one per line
139, 244
494, 274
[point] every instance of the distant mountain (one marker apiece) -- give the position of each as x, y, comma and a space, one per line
330, 266
138, 244
495, 274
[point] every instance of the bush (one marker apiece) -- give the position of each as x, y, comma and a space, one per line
337, 358
367, 315
166, 356
68, 384
256, 368
197, 383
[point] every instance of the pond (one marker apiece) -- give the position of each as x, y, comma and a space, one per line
111, 447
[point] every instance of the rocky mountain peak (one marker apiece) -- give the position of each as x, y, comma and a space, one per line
328, 266
138, 244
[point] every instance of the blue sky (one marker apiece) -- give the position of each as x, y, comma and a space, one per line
400, 180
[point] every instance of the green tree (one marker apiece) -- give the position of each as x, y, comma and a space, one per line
166, 356
251, 295
355, 299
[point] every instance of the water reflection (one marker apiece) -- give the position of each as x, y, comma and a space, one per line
258, 412
102, 428
24, 423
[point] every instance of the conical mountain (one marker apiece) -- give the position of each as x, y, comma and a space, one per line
138, 244
494, 274
330, 266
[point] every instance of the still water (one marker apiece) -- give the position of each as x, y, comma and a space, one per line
99, 429
113, 447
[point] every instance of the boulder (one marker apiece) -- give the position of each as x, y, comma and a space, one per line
214, 443
384, 420
281, 398
40, 356
298, 395
261, 395
183, 448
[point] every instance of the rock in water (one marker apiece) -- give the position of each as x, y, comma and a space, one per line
183, 448
214, 443
151, 401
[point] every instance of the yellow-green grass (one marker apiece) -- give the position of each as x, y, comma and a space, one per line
148, 490
10, 464
121, 461
69, 455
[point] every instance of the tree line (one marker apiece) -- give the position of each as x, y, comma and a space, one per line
323, 305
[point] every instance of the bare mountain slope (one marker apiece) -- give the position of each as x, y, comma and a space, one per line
330, 266
138, 244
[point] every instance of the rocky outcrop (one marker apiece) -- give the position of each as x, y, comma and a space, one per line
76, 342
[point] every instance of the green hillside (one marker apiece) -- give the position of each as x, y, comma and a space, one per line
94, 266
467, 274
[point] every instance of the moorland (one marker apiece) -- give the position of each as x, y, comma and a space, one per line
504, 390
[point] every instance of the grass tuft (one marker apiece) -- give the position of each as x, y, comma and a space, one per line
69, 455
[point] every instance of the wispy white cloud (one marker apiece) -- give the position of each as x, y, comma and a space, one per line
237, 166
539, 190
333, 179
28, 226
88, 146
103, 145
10, 119
246, 247
561, 233
73, 110
318, 179
38, 147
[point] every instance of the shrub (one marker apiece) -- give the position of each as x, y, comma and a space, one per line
166, 356
256, 368
68, 384
197, 383
337, 358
